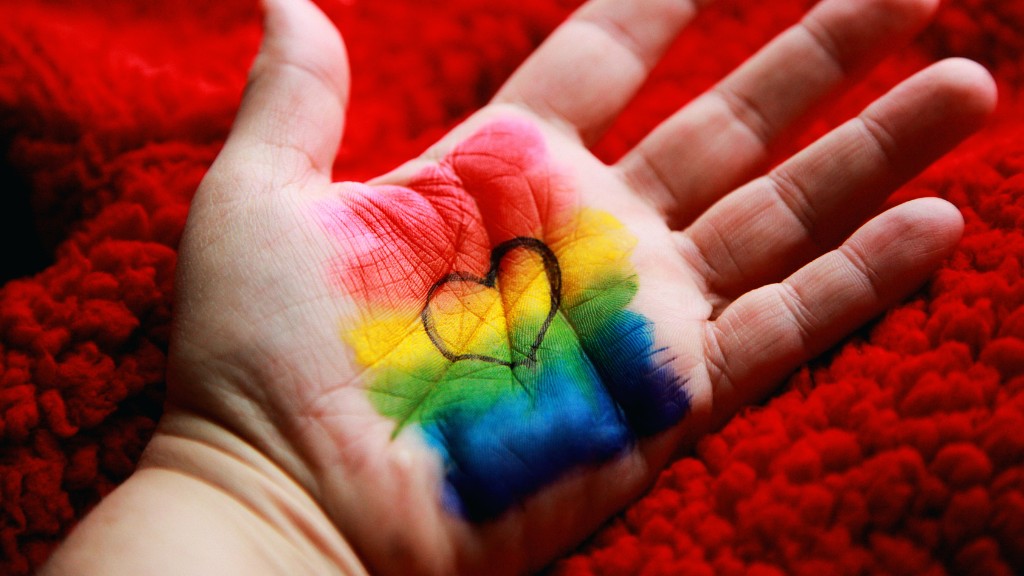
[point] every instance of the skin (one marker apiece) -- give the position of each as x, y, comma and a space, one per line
499, 315
277, 454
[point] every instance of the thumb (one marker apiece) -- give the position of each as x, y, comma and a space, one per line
291, 118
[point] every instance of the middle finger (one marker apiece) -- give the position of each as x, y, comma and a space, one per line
807, 205
716, 141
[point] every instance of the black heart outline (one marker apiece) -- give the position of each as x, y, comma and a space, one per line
551, 270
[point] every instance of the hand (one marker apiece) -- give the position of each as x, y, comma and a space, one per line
469, 363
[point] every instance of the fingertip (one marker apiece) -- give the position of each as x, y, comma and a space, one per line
937, 212
932, 112
933, 226
872, 27
292, 114
921, 11
297, 31
967, 85
913, 13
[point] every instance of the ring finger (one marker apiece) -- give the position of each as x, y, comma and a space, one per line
807, 205
717, 141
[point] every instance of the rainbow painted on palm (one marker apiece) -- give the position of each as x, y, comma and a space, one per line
494, 318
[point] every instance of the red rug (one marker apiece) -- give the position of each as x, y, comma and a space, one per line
900, 452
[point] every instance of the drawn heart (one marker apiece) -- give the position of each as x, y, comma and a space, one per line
484, 289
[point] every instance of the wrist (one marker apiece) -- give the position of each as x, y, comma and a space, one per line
204, 502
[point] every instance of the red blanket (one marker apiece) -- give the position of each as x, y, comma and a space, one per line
901, 451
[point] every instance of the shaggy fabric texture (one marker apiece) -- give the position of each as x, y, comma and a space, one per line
902, 451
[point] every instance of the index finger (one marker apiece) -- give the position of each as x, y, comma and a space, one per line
593, 64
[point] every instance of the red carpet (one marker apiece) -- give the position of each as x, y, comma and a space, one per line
901, 452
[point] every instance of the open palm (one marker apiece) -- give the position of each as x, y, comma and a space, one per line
469, 363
